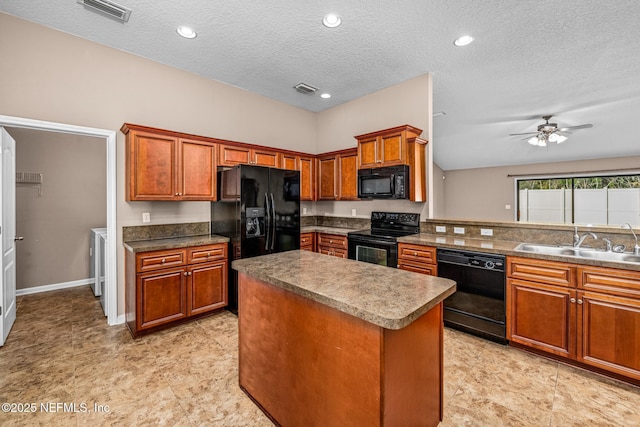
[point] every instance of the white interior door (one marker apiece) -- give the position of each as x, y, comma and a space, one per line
8, 232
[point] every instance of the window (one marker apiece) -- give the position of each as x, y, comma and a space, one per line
596, 200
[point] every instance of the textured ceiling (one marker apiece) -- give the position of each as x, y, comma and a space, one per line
575, 59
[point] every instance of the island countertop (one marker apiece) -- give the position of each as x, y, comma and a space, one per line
387, 297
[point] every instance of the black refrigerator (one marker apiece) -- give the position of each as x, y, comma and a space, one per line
258, 208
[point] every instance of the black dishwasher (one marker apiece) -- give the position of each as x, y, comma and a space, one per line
478, 305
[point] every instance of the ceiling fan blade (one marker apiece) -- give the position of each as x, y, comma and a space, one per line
587, 126
525, 133
526, 139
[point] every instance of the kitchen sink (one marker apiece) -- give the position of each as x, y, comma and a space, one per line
586, 253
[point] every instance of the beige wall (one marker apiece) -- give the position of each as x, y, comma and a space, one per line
406, 103
483, 193
53, 76
56, 225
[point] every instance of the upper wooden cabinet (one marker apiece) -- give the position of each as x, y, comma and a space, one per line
397, 146
338, 175
231, 155
162, 166
306, 166
387, 147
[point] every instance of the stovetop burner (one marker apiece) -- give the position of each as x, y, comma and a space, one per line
388, 226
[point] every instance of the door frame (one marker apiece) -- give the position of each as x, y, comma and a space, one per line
111, 272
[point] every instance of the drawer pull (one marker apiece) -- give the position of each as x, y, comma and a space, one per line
330, 241
415, 254
163, 260
208, 254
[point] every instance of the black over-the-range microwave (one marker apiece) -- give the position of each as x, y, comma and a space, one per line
390, 182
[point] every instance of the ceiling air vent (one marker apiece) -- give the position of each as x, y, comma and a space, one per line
108, 8
305, 88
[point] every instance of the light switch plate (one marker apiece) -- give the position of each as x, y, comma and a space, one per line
507, 207
458, 230
146, 217
441, 229
353, 212
304, 211
486, 232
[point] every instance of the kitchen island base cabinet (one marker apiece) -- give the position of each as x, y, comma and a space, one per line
307, 364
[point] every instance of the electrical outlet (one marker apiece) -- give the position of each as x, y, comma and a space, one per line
507, 207
458, 230
353, 212
441, 229
304, 211
146, 217
486, 232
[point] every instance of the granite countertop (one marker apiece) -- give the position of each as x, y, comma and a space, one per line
329, 230
503, 247
174, 243
387, 297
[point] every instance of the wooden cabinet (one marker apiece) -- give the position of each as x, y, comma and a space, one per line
541, 309
231, 155
163, 287
397, 146
333, 244
386, 147
338, 175
582, 313
417, 258
308, 242
307, 173
609, 320
162, 166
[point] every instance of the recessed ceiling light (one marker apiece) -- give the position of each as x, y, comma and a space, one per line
331, 20
186, 32
463, 41
325, 95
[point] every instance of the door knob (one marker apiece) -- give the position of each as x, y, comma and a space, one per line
18, 238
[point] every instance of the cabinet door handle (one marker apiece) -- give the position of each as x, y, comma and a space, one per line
573, 300
185, 273
189, 274
579, 301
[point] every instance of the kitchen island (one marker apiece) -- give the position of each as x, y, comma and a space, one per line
328, 341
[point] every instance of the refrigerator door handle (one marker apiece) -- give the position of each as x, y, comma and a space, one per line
273, 218
267, 222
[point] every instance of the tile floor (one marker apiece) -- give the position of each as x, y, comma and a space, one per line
61, 351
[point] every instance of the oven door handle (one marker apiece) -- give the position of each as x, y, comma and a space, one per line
393, 184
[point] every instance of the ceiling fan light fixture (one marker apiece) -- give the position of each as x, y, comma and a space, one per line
533, 140
561, 139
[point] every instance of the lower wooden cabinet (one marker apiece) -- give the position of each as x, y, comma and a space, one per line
587, 314
163, 287
308, 241
333, 244
417, 258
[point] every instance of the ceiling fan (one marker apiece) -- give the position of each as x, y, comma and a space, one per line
550, 132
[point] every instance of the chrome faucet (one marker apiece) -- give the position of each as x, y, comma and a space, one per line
608, 243
636, 247
584, 236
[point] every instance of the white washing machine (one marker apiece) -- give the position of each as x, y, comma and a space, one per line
96, 255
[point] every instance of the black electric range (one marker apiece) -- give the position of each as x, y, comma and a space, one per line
379, 244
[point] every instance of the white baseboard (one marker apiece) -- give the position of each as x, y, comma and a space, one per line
53, 287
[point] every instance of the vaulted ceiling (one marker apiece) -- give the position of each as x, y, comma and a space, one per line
575, 59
